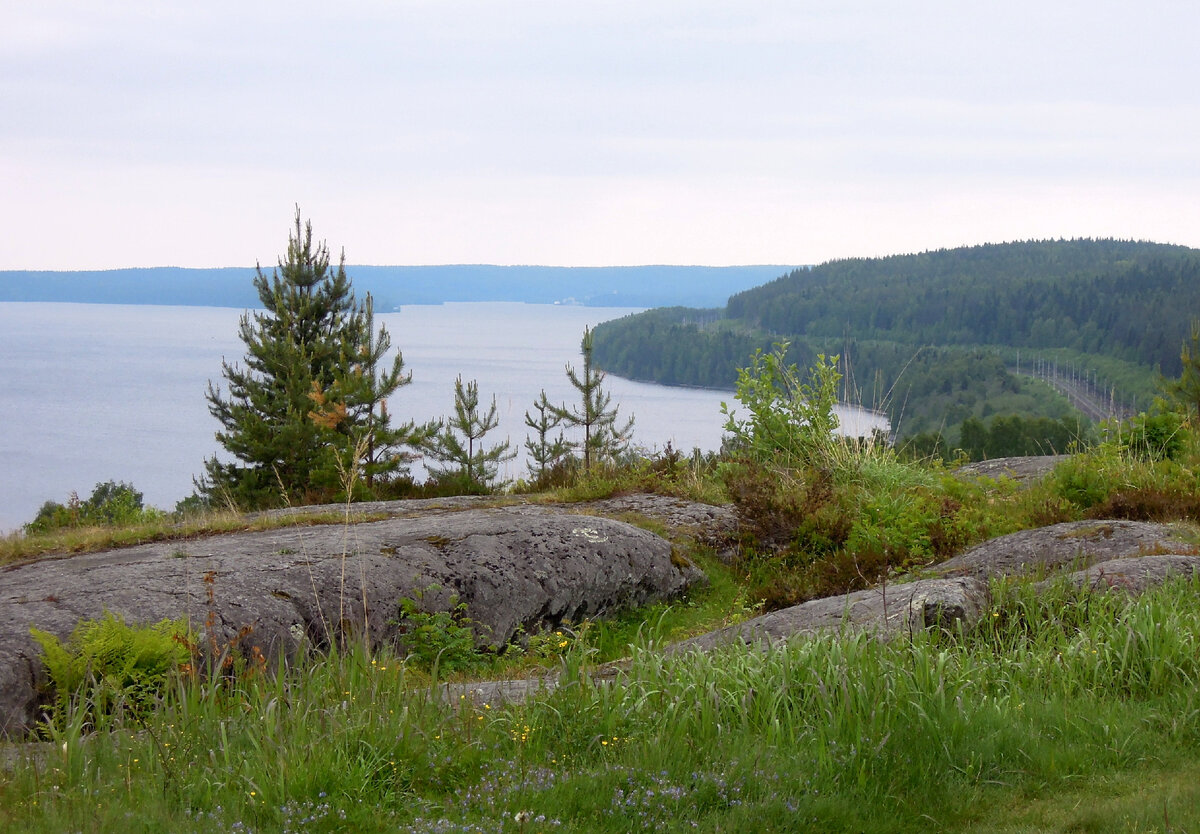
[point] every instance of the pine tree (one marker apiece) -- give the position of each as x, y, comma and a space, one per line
476, 466
544, 453
309, 390
382, 450
601, 437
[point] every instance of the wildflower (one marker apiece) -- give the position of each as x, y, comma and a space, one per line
521, 817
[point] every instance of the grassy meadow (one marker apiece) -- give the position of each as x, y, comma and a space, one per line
1065, 710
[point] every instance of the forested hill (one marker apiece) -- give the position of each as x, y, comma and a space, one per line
392, 286
909, 326
1121, 298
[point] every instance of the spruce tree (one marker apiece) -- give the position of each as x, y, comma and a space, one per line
475, 466
310, 388
601, 437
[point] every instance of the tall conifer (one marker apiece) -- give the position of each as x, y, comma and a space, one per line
311, 387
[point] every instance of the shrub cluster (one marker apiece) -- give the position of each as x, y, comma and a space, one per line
111, 504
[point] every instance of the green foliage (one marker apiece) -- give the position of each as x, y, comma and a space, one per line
1014, 435
1063, 701
309, 404
545, 452
1156, 435
108, 666
791, 421
111, 504
1185, 390
440, 641
602, 439
935, 338
473, 466
1098, 296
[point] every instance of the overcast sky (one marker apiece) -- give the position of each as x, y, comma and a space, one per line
587, 133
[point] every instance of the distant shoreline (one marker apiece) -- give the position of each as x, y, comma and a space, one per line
396, 286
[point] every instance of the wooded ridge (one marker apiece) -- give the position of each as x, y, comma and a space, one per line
934, 338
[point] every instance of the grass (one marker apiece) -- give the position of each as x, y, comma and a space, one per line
1066, 711
19, 547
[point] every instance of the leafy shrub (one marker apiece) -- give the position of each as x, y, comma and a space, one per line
440, 641
791, 420
1158, 435
1083, 480
111, 504
109, 665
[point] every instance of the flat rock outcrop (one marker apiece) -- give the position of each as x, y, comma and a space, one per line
1125, 555
706, 523
903, 608
514, 567
1023, 469
1072, 545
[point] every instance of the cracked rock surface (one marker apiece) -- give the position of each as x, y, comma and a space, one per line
514, 567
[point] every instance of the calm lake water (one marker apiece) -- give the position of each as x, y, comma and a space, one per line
95, 392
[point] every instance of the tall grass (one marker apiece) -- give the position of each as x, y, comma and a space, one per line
1059, 691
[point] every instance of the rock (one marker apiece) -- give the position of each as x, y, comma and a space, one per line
1023, 469
1135, 575
706, 523
278, 590
1075, 544
905, 608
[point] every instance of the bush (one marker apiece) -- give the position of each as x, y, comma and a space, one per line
111, 504
438, 641
1158, 435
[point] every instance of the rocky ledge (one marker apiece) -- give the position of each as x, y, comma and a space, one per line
1123, 556
516, 567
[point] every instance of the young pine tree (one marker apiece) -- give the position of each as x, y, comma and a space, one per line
544, 452
460, 442
601, 437
383, 450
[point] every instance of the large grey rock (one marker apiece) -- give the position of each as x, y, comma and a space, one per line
513, 567
1137, 574
886, 610
1073, 545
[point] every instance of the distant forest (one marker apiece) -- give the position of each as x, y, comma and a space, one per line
393, 286
936, 338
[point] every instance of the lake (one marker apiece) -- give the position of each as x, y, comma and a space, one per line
97, 392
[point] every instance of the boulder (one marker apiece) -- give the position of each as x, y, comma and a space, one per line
904, 608
1072, 545
519, 567
1136, 574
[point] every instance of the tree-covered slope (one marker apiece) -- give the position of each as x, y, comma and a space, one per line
933, 337
1127, 299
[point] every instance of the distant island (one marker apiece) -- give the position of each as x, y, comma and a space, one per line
394, 286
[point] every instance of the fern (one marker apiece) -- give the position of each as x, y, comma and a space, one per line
107, 665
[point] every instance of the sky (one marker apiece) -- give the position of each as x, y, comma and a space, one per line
165, 133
